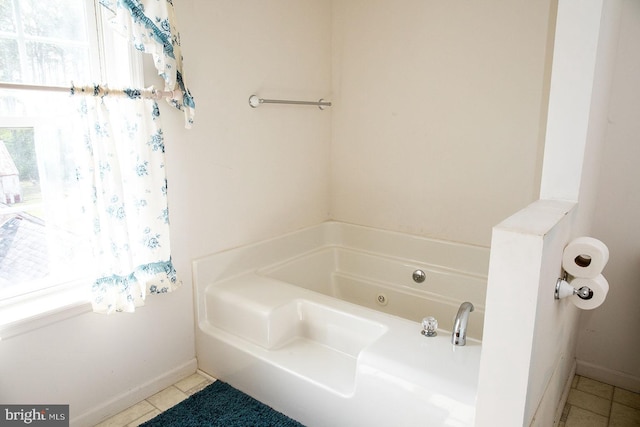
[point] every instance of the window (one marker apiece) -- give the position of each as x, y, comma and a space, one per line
47, 43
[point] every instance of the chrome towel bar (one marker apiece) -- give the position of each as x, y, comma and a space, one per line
255, 102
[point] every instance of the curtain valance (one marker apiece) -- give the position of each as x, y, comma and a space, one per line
151, 27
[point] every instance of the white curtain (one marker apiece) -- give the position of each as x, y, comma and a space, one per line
122, 178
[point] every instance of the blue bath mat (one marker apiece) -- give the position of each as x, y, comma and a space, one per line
220, 405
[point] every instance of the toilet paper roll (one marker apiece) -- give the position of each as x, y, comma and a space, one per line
598, 285
585, 257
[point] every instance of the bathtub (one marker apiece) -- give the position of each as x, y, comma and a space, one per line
323, 324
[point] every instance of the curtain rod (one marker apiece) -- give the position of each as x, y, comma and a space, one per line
97, 90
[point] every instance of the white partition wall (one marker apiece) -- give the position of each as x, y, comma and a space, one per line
530, 338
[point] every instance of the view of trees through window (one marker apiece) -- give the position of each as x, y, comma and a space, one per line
43, 42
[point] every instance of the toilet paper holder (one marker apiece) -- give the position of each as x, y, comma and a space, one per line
565, 289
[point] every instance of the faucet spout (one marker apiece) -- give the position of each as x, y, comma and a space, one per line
459, 335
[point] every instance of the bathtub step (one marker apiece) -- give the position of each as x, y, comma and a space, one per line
247, 306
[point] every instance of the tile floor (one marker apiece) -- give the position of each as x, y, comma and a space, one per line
590, 404
159, 402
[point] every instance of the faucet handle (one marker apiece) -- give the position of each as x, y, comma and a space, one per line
429, 326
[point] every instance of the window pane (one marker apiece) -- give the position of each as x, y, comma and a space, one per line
18, 167
46, 42
42, 234
6, 16
9, 63
60, 19
55, 64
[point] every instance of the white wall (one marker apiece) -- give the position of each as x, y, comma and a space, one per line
238, 176
248, 174
101, 364
616, 223
528, 342
438, 111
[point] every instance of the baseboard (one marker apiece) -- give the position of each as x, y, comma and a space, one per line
565, 394
609, 376
131, 397
555, 396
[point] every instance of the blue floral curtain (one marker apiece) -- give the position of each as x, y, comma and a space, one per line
122, 172
151, 27
122, 178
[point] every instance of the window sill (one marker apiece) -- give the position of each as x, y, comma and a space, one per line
27, 314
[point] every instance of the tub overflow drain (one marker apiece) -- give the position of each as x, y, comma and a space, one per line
382, 299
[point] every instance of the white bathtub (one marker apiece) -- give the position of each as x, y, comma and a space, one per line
323, 325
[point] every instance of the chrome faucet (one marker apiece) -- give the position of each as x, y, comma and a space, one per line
459, 335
